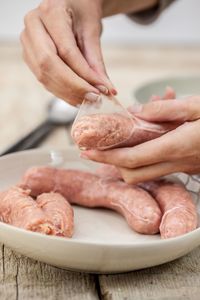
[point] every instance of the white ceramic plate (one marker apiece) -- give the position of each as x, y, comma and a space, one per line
183, 85
102, 242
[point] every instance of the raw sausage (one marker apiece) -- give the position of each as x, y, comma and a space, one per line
50, 214
179, 212
19, 209
86, 189
137, 206
103, 131
59, 211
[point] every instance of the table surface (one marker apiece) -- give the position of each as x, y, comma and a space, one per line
23, 104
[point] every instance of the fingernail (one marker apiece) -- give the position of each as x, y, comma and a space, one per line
114, 92
136, 108
102, 89
84, 156
92, 97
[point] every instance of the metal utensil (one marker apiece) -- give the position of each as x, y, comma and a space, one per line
59, 113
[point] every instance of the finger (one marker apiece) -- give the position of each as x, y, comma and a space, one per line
154, 98
150, 152
51, 71
169, 94
151, 172
65, 41
32, 59
28, 56
91, 48
164, 111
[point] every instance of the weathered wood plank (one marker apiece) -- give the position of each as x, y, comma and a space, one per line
27, 279
178, 280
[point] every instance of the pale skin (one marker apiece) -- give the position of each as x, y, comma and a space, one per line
176, 151
61, 45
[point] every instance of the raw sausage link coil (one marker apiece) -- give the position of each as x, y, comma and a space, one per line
177, 206
138, 208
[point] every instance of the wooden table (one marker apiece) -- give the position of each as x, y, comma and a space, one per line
22, 105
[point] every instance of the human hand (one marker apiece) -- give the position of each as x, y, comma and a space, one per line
61, 45
176, 151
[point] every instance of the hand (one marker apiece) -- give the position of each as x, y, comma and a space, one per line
61, 45
176, 151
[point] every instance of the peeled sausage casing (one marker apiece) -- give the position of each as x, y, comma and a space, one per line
103, 131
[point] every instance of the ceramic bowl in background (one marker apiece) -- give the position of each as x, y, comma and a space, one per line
183, 85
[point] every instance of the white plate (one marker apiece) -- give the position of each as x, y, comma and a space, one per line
183, 85
102, 242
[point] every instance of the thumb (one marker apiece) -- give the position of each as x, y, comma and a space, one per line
169, 93
166, 111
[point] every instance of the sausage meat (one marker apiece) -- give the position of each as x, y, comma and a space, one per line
140, 210
103, 131
179, 211
59, 211
17, 208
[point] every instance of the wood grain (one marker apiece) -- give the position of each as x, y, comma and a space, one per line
177, 280
24, 279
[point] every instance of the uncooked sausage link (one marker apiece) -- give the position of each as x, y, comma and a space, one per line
179, 211
19, 209
103, 131
50, 214
59, 211
136, 205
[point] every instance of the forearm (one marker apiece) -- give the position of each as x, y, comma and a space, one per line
113, 7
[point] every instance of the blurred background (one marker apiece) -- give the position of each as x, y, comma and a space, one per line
180, 24
134, 54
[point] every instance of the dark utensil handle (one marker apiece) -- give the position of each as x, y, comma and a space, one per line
32, 139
